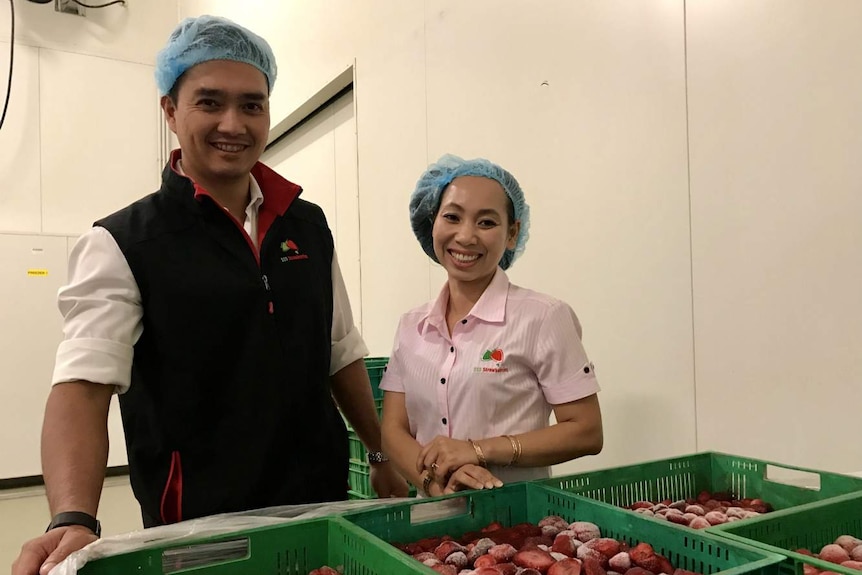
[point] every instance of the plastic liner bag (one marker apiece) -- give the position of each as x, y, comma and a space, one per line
215, 525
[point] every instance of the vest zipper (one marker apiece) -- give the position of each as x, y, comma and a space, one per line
268, 292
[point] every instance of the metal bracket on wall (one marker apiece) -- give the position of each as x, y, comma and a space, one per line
68, 7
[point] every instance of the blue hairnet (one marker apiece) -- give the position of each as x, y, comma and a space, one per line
425, 200
206, 38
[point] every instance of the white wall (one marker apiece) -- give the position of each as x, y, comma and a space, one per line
80, 141
720, 311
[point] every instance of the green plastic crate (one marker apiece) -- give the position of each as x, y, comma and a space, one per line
683, 477
289, 549
519, 502
807, 527
359, 477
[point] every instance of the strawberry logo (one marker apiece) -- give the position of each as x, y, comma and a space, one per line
288, 246
493, 355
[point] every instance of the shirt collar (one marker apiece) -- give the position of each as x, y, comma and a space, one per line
490, 308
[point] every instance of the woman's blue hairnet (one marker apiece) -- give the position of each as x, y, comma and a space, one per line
425, 200
206, 38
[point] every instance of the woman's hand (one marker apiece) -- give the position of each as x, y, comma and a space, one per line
443, 456
471, 477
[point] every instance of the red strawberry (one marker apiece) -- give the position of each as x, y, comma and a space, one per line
484, 561
534, 559
497, 354
486, 571
703, 497
445, 569
593, 567
502, 553
664, 565
458, 559
446, 548
637, 571
493, 526
643, 555
565, 567
425, 556
620, 562
566, 545
506, 568
604, 545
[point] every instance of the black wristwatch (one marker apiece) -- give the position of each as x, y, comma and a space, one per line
68, 518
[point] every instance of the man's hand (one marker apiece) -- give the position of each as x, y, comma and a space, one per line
387, 482
40, 555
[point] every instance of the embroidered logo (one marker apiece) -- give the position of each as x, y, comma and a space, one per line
492, 355
291, 251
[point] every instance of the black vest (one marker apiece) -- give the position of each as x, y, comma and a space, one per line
229, 407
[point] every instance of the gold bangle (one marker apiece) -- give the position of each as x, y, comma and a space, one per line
520, 449
426, 483
479, 455
514, 450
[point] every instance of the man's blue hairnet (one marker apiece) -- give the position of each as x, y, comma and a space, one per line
425, 200
206, 38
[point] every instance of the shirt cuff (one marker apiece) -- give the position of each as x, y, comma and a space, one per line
347, 350
94, 360
584, 385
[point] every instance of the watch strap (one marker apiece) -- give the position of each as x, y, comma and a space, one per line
67, 518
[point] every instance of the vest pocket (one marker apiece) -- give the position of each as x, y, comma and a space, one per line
172, 497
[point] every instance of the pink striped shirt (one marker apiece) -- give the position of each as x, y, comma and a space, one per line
515, 355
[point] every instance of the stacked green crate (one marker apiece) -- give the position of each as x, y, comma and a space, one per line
360, 472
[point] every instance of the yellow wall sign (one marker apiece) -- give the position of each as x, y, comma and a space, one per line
37, 272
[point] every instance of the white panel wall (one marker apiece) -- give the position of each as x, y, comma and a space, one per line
133, 32
108, 172
31, 330
19, 143
776, 137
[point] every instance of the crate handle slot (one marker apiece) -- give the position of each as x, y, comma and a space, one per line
203, 555
792, 476
437, 510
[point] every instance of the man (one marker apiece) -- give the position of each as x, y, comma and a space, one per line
216, 308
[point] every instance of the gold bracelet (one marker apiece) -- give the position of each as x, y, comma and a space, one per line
479, 455
515, 453
520, 449
426, 483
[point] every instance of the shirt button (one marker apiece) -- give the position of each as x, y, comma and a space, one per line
463, 321
451, 350
586, 370
442, 380
444, 421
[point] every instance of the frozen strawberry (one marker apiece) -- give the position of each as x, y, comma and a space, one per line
737, 512
502, 553
678, 519
534, 559
810, 570
604, 545
593, 567
558, 556
543, 548
486, 571
565, 567
552, 520
640, 505
420, 557
805, 552
696, 509
659, 507
699, 523
703, 497
566, 544
585, 553
621, 562
856, 554
428, 544
533, 542
679, 505
585, 530
484, 561
644, 511
479, 548
529, 572
853, 565
431, 562
550, 530
760, 506
447, 548
445, 569
715, 518
493, 526
848, 542
638, 571
458, 559
834, 554
506, 568
643, 555
325, 570
664, 565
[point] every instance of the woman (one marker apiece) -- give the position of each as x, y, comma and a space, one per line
474, 375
